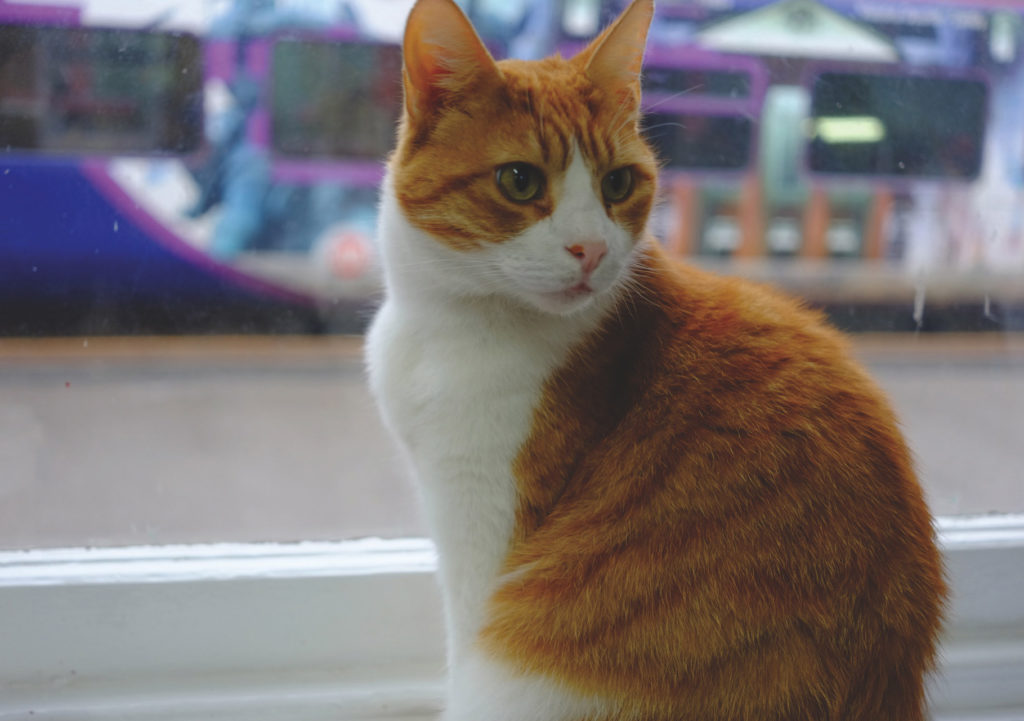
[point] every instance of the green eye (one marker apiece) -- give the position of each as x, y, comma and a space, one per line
520, 182
617, 185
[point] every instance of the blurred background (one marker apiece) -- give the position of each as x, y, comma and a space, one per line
188, 199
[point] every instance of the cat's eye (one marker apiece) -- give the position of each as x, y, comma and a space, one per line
520, 182
617, 185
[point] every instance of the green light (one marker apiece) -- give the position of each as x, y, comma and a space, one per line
850, 129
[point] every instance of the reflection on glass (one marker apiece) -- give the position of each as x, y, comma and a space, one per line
694, 142
581, 18
893, 125
731, 84
99, 90
335, 99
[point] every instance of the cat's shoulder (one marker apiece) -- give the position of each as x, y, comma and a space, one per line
740, 337
724, 310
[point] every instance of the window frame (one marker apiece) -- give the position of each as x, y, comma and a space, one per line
353, 630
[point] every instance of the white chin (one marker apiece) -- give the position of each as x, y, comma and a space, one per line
562, 302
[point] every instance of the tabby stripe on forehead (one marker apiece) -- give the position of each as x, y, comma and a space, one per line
565, 147
589, 145
524, 100
542, 140
607, 145
571, 131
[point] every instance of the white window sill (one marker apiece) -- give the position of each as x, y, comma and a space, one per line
352, 630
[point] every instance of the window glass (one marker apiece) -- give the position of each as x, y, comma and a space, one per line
189, 194
581, 18
335, 99
871, 124
697, 81
99, 90
694, 142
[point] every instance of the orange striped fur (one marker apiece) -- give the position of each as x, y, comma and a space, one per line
713, 515
719, 519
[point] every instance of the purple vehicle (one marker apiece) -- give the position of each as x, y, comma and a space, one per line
167, 181
831, 129
225, 177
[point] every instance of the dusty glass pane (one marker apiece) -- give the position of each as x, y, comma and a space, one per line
875, 124
112, 441
333, 99
184, 279
84, 90
700, 142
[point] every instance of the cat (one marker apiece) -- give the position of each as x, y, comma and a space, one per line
656, 493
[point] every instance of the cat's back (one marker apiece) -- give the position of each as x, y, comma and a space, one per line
744, 389
764, 364
730, 494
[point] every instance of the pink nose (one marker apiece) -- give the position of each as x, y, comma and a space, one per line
588, 254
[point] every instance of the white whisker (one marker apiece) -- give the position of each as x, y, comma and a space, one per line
673, 96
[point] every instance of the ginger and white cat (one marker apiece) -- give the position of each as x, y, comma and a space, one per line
656, 494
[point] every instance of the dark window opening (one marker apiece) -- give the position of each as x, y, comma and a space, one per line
335, 99
700, 142
70, 90
866, 124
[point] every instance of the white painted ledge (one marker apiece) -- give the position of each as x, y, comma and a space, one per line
352, 631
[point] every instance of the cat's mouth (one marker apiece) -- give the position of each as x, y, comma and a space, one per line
568, 299
579, 290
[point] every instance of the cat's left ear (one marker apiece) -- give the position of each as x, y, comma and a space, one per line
614, 59
441, 54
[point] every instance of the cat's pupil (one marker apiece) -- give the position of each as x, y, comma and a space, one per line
520, 178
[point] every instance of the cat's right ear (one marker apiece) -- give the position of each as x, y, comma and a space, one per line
614, 59
441, 54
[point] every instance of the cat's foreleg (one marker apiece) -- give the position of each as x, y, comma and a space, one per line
481, 687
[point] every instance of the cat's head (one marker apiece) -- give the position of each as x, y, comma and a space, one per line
531, 176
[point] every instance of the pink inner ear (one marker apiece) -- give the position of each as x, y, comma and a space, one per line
419, 74
441, 52
615, 58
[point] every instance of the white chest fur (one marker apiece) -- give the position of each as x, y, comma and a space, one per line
457, 377
459, 395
